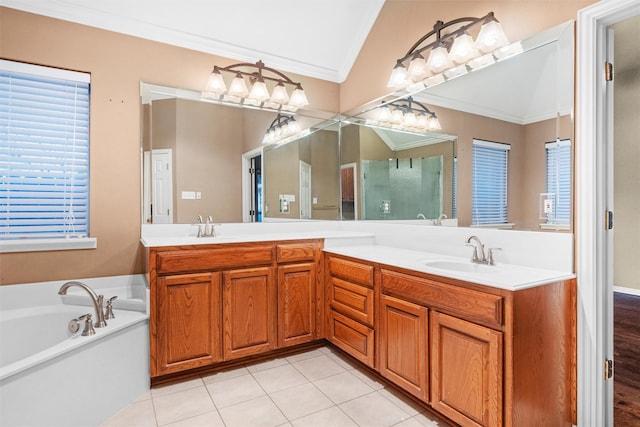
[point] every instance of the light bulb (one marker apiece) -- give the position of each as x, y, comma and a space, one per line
238, 87
491, 37
280, 95
298, 98
439, 59
215, 85
462, 49
399, 76
259, 91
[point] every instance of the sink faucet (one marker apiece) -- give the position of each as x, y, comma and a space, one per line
478, 251
96, 299
438, 221
421, 216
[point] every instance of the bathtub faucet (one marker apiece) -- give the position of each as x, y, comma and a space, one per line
96, 299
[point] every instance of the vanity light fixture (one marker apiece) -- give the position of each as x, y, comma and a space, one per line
453, 52
258, 95
283, 129
406, 114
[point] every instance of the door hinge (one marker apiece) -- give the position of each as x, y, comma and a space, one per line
608, 71
608, 369
252, 171
608, 220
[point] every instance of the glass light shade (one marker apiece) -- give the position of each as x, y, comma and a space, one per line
491, 37
462, 49
293, 127
383, 114
399, 76
422, 122
279, 95
439, 60
418, 69
434, 123
259, 91
238, 87
409, 118
298, 98
215, 84
397, 116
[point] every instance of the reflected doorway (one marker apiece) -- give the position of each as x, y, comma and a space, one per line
255, 172
348, 185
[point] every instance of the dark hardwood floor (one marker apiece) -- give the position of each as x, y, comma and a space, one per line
626, 352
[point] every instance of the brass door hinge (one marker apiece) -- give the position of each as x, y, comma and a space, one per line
608, 369
608, 71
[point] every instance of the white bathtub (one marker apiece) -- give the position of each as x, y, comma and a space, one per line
52, 377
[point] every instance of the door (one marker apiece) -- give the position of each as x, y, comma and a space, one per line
466, 371
348, 185
162, 186
305, 190
296, 303
249, 302
403, 339
188, 322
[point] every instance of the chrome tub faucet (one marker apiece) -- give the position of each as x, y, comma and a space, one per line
96, 299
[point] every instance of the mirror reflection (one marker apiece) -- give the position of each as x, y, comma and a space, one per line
197, 154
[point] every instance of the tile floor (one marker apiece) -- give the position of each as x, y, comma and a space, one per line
316, 388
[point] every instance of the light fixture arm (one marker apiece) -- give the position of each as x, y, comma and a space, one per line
438, 27
257, 75
407, 104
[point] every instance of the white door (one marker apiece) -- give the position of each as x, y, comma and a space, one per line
162, 186
305, 190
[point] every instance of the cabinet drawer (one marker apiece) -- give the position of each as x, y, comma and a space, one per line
468, 304
181, 261
295, 252
352, 300
351, 271
352, 337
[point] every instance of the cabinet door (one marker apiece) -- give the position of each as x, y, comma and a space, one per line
296, 303
249, 312
188, 322
466, 371
403, 352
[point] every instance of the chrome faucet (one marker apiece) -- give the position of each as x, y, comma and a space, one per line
438, 221
421, 216
479, 256
96, 299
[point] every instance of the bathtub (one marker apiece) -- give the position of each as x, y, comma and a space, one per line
50, 376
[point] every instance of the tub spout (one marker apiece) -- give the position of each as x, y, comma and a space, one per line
96, 299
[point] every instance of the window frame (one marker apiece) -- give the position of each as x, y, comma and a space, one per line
494, 214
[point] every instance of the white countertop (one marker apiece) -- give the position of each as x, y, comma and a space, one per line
504, 276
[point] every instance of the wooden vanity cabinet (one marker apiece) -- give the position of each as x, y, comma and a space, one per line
215, 303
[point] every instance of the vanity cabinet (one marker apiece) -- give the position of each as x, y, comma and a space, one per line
351, 308
217, 303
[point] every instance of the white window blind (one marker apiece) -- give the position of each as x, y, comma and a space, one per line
559, 180
489, 191
44, 152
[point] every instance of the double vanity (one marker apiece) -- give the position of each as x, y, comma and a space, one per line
482, 345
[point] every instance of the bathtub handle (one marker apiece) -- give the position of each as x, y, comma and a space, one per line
88, 325
108, 311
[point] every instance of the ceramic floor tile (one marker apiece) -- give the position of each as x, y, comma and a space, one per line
318, 367
182, 404
234, 390
408, 405
139, 414
332, 416
342, 387
301, 400
341, 360
225, 375
260, 412
428, 420
306, 355
172, 388
279, 378
374, 410
210, 419
273, 363
368, 379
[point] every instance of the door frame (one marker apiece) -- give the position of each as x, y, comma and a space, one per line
246, 182
593, 186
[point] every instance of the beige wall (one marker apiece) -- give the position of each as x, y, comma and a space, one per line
626, 237
117, 64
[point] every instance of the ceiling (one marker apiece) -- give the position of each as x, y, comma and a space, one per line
315, 38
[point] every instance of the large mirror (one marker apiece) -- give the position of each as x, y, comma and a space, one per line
522, 104
351, 169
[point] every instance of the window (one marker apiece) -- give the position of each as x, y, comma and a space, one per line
44, 156
489, 192
559, 181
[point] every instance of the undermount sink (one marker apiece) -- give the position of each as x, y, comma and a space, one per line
458, 266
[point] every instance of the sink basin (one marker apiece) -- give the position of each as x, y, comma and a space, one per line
459, 266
